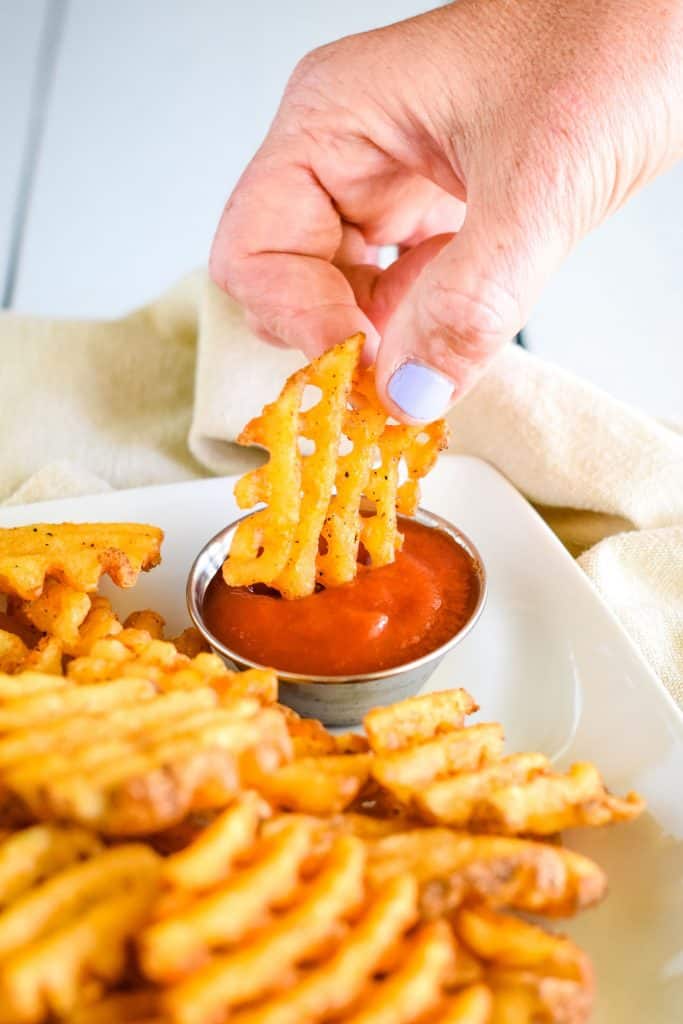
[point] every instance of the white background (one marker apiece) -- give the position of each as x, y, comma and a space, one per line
125, 123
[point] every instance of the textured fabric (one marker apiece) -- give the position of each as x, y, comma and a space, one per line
161, 395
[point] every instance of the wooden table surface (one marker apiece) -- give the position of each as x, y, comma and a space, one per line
125, 124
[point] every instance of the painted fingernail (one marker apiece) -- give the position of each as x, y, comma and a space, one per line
420, 391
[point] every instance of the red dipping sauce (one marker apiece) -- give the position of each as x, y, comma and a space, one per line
384, 618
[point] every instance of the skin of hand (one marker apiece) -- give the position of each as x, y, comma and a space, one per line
484, 139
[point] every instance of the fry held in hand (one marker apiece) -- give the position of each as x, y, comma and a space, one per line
312, 525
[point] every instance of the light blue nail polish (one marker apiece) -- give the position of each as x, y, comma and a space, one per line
420, 391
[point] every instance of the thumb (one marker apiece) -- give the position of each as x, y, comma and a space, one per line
463, 307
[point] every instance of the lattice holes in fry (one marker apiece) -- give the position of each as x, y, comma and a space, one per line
312, 525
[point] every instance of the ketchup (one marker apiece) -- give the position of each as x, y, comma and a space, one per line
385, 617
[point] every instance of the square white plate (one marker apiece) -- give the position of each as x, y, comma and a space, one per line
547, 659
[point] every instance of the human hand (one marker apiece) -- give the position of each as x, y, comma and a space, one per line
543, 116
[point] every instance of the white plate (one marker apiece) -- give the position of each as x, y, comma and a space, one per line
549, 661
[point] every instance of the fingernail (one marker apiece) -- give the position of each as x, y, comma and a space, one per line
421, 392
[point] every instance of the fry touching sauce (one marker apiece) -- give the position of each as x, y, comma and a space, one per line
385, 617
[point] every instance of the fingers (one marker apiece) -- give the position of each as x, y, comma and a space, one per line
464, 305
379, 292
273, 250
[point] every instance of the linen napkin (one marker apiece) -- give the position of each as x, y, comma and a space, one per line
160, 395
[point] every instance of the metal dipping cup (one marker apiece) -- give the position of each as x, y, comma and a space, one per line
335, 700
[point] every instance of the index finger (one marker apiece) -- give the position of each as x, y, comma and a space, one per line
273, 250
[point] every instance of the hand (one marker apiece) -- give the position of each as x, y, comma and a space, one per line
542, 116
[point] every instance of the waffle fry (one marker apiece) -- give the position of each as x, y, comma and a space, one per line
452, 867
289, 932
548, 803
100, 622
13, 652
288, 927
133, 652
140, 1006
433, 767
59, 611
76, 554
455, 800
472, 1005
312, 525
402, 772
67, 922
310, 738
417, 719
149, 621
315, 785
16, 657
211, 856
125, 759
509, 942
190, 642
415, 987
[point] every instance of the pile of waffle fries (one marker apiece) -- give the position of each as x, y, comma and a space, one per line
178, 848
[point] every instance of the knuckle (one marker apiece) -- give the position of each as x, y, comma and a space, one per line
309, 68
472, 322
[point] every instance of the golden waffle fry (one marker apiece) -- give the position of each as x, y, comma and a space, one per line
38, 852
59, 611
16, 657
515, 1004
287, 931
216, 919
342, 528
311, 739
123, 758
455, 866
472, 1005
190, 642
139, 1006
315, 785
417, 719
76, 554
297, 934
548, 803
209, 859
432, 767
404, 771
263, 542
149, 621
287, 532
332, 986
132, 652
13, 652
312, 525
59, 701
415, 987
503, 941
456, 799
289, 927
100, 622
65, 930
419, 447
71, 620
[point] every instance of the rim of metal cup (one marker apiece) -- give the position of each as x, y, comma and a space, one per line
213, 554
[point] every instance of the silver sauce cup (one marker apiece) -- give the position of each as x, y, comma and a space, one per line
335, 700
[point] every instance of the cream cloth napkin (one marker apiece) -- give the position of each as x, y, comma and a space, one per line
161, 394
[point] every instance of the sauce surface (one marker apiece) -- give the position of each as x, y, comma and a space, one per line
384, 618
